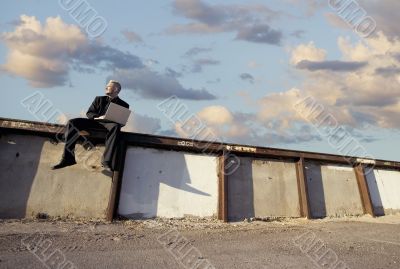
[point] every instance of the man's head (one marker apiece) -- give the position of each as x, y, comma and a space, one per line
113, 88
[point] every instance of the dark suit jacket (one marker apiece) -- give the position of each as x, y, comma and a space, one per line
100, 105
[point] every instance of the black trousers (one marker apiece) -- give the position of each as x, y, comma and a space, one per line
82, 124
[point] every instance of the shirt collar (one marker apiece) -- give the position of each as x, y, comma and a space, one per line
111, 99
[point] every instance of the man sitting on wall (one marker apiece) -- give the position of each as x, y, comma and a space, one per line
95, 120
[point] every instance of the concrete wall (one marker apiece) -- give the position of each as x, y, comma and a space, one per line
332, 190
28, 186
160, 183
263, 188
174, 184
384, 188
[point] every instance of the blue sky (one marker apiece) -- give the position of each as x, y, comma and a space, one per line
238, 66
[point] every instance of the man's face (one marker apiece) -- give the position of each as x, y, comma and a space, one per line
111, 89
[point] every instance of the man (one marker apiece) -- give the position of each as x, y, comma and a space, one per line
95, 120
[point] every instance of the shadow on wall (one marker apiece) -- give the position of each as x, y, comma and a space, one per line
19, 161
372, 183
316, 193
153, 181
241, 192
263, 188
29, 187
334, 190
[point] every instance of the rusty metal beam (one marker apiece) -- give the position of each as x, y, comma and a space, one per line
113, 194
303, 189
191, 145
222, 189
364, 191
31, 125
112, 209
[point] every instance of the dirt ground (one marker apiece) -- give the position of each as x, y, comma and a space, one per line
356, 242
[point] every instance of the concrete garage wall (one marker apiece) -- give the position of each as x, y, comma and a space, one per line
28, 186
263, 188
384, 188
332, 190
160, 183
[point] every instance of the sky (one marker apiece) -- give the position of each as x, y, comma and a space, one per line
310, 75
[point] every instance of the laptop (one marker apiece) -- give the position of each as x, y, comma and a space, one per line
117, 113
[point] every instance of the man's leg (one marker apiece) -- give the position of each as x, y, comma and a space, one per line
111, 142
71, 137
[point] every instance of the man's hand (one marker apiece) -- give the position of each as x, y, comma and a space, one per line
100, 118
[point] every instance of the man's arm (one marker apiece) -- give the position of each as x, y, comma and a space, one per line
93, 111
123, 103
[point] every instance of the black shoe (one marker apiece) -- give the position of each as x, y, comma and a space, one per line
106, 166
64, 163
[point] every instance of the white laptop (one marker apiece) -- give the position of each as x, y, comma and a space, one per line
117, 114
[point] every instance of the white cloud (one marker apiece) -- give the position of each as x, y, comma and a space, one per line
216, 115
152, 85
138, 123
386, 14
219, 124
307, 52
44, 54
132, 37
277, 110
335, 20
250, 22
37, 52
215, 123
358, 97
